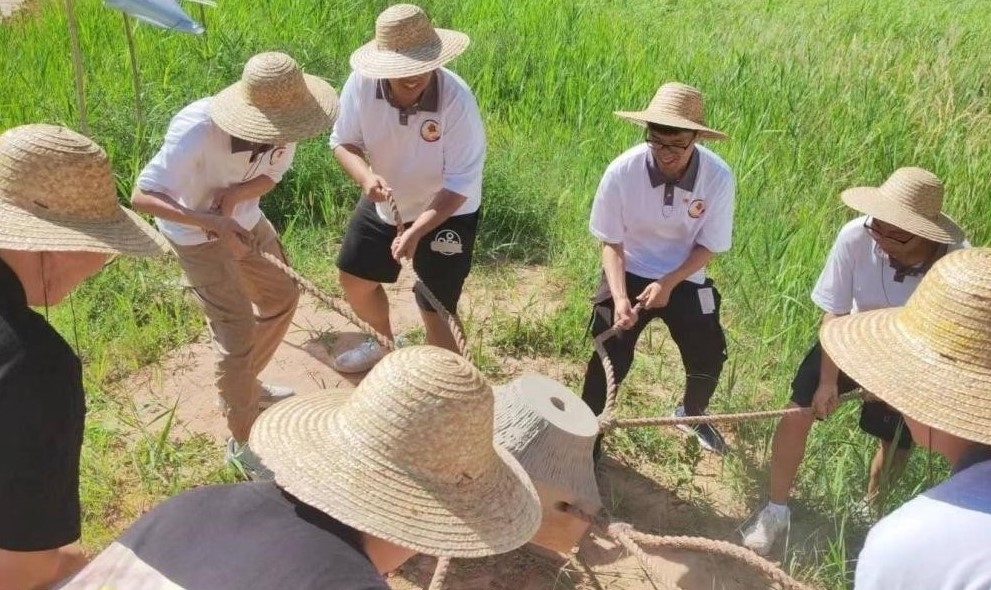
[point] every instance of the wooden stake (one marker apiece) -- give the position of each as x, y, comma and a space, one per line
135, 74
77, 65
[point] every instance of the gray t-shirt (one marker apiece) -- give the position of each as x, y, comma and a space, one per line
249, 536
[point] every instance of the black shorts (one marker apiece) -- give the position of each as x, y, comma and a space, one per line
876, 417
443, 257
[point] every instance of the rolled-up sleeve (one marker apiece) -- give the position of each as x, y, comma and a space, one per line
606, 222
716, 234
464, 148
347, 128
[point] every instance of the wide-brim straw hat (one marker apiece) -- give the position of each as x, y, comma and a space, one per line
930, 359
675, 105
912, 200
275, 102
406, 44
407, 457
57, 194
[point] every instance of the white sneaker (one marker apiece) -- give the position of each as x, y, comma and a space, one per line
771, 522
274, 393
247, 462
360, 359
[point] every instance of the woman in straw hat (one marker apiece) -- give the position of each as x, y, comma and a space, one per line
930, 360
410, 129
221, 155
364, 480
663, 210
60, 223
876, 262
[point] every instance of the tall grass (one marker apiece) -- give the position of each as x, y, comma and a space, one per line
817, 96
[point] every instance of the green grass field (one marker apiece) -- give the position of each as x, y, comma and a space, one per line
817, 96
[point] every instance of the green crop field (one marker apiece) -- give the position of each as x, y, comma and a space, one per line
816, 95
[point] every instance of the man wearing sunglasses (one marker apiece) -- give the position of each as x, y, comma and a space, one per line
663, 209
876, 263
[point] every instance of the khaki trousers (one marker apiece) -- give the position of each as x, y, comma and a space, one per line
249, 305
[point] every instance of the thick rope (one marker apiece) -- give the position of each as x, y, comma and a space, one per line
450, 318
621, 535
631, 538
331, 302
613, 423
440, 573
611, 386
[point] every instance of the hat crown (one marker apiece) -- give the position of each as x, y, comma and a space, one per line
428, 411
402, 27
273, 80
680, 100
551, 432
917, 190
56, 173
949, 313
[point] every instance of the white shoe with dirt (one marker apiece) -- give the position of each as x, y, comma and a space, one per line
773, 520
360, 359
272, 394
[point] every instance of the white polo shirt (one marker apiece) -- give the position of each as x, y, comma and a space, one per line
418, 151
940, 540
858, 275
199, 158
659, 222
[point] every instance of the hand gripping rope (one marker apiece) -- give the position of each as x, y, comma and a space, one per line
623, 533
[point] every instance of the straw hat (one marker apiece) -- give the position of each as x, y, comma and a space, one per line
551, 431
275, 102
406, 44
911, 199
407, 457
674, 105
57, 194
929, 359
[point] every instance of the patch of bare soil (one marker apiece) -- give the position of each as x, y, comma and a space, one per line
10, 8
184, 381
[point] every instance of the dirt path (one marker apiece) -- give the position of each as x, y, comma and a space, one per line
184, 380
9, 7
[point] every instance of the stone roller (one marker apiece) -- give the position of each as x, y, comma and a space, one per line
551, 432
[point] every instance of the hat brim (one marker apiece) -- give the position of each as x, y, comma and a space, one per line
874, 351
642, 118
305, 444
126, 233
872, 201
314, 114
372, 62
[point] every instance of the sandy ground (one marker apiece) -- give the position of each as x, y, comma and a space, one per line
185, 377
9, 7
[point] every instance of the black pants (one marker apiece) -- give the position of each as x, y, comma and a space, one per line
698, 335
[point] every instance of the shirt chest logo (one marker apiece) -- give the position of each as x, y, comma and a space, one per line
430, 130
696, 208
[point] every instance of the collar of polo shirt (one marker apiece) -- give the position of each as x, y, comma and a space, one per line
429, 100
687, 180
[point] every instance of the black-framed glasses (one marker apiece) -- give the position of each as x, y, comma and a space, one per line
672, 148
886, 235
